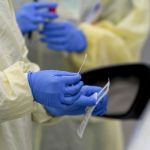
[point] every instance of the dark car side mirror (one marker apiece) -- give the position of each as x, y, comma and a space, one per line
129, 91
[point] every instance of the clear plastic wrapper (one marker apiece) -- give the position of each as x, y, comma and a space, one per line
98, 96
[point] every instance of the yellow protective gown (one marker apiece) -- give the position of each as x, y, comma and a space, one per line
17, 108
117, 37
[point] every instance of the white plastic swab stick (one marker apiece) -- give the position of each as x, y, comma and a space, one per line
85, 57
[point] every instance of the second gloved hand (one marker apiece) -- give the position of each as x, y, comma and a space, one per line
101, 107
55, 88
63, 36
80, 105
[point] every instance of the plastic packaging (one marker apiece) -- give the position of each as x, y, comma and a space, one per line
99, 96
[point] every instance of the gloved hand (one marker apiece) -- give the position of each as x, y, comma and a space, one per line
80, 105
55, 88
63, 36
101, 108
30, 15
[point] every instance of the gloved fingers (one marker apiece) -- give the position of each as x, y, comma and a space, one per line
90, 90
33, 27
55, 26
55, 111
40, 5
53, 33
85, 101
103, 102
32, 24
74, 89
63, 73
71, 99
99, 112
71, 80
55, 40
101, 108
40, 17
51, 110
36, 19
47, 15
68, 110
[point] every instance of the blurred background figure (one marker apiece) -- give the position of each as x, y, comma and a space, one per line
116, 35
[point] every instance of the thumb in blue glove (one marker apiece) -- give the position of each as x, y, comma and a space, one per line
30, 15
101, 108
63, 36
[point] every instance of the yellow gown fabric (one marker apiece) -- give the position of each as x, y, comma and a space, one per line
117, 37
17, 108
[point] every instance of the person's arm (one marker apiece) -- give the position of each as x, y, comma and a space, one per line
16, 99
110, 43
15, 96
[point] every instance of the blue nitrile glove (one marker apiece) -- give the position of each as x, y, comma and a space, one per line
55, 88
30, 15
63, 36
79, 106
101, 108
